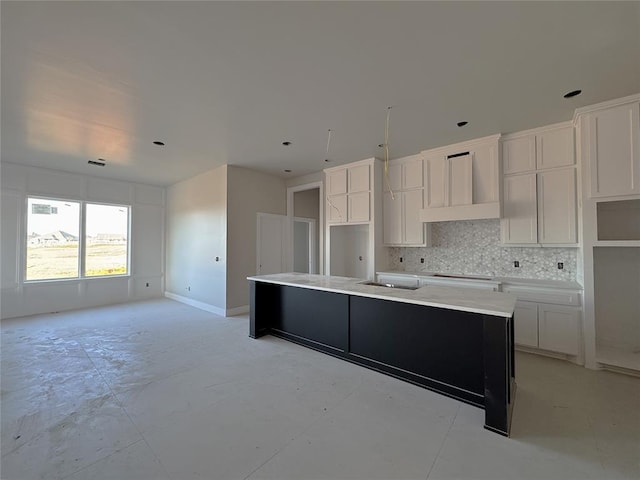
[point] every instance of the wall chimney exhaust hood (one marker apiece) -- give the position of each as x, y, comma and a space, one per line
462, 181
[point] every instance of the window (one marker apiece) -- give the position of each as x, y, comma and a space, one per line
61, 232
53, 234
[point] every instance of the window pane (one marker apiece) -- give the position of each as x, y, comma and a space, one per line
53, 230
107, 240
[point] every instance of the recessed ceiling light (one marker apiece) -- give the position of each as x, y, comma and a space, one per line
98, 164
327, 160
287, 171
381, 145
462, 124
286, 144
573, 93
158, 142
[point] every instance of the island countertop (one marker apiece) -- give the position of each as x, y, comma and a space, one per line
452, 298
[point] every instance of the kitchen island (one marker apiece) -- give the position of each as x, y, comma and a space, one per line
455, 341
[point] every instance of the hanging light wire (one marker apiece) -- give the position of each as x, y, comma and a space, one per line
386, 154
326, 157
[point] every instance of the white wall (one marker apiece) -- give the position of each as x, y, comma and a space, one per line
249, 192
147, 241
196, 235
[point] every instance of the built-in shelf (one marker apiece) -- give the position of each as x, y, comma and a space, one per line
617, 243
618, 220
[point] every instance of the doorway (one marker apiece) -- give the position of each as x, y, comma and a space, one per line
304, 209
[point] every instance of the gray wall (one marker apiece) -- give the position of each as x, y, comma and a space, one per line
196, 234
248, 193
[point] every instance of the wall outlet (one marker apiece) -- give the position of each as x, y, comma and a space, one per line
189, 288
516, 264
560, 265
147, 285
400, 259
422, 260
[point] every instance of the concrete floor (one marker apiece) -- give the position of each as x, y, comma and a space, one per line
159, 390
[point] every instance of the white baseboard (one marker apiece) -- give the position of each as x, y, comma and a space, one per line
195, 303
237, 311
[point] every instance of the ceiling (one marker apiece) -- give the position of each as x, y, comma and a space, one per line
228, 82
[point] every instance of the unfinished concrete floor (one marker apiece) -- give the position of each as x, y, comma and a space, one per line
160, 390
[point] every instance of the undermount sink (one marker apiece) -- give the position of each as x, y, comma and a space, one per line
464, 277
388, 285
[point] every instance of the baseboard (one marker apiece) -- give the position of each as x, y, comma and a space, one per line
237, 310
195, 303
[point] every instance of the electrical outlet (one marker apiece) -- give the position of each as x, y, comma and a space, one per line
189, 288
147, 284
400, 259
422, 260
560, 265
516, 264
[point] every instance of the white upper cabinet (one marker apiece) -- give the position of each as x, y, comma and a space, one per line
402, 205
349, 198
539, 207
359, 178
555, 148
557, 206
611, 143
519, 224
337, 182
519, 155
434, 167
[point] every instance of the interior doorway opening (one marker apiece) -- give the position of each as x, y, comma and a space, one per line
304, 209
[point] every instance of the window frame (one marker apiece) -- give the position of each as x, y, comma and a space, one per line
82, 239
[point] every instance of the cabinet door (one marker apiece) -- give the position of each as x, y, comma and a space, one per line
358, 207
525, 321
337, 209
614, 151
359, 179
559, 328
394, 177
557, 206
519, 223
412, 176
412, 226
459, 185
519, 155
554, 148
434, 181
392, 219
337, 182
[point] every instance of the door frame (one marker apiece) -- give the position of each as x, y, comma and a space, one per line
313, 240
320, 233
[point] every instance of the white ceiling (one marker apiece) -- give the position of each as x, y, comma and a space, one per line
229, 82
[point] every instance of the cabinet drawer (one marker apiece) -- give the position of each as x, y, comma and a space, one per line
544, 295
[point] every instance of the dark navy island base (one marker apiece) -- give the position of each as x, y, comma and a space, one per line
466, 356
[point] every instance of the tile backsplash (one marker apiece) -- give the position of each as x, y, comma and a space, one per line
473, 247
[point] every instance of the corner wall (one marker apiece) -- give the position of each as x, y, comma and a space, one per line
196, 234
146, 279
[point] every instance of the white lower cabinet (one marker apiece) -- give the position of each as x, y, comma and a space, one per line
547, 326
526, 324
559, 328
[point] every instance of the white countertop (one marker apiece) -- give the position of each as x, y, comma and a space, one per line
532, 282
453, 298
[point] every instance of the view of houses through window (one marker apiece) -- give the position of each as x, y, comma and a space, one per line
56, 240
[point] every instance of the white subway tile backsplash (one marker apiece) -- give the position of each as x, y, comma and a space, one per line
473, 247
